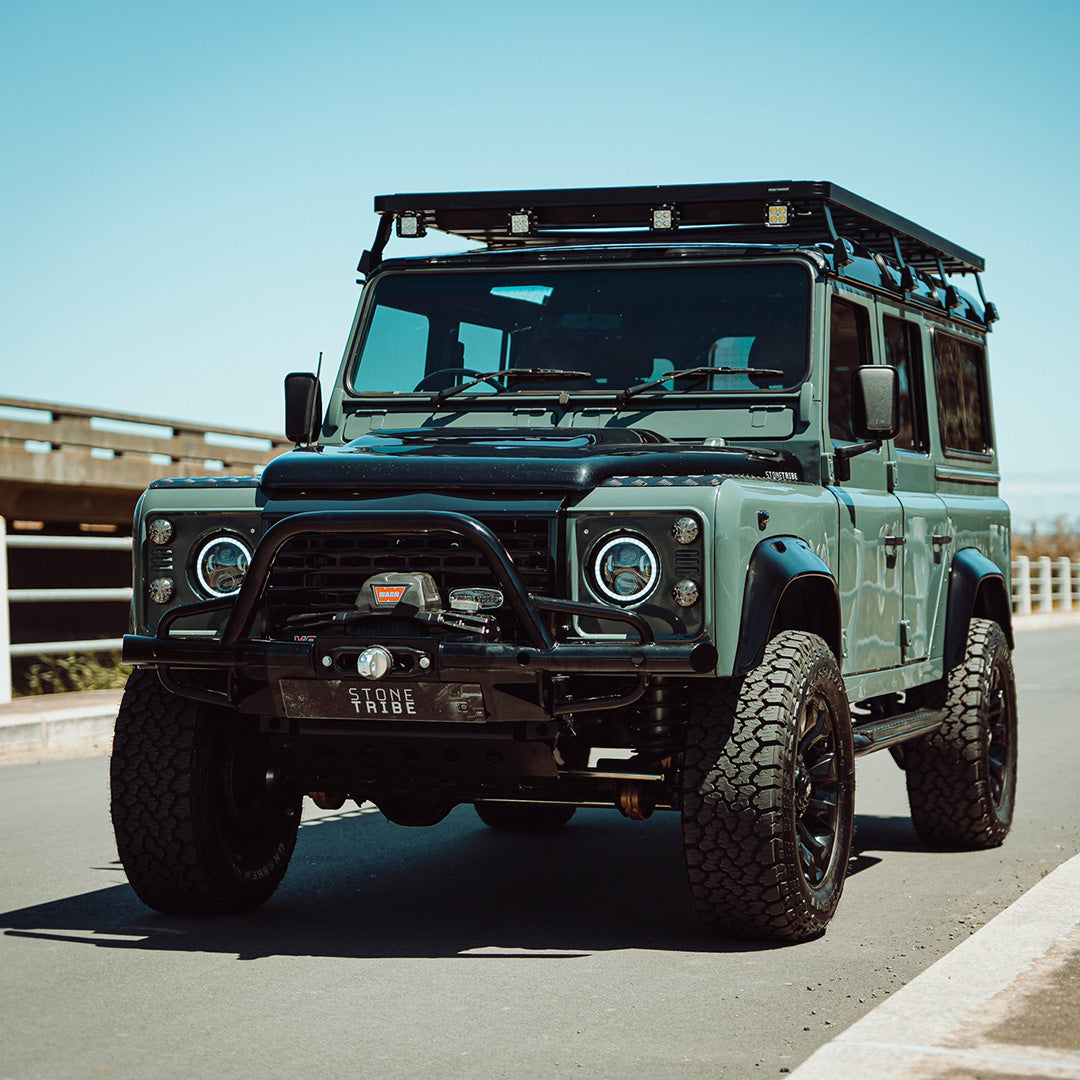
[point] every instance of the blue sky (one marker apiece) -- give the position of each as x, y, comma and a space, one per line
187, 189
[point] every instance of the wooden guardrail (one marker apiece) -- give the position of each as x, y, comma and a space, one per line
64, 462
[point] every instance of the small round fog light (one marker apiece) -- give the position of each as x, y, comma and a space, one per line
685, 530
685, 593
161, 590
160, 531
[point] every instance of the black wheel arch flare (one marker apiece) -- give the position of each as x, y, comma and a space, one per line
788, 587
977, 589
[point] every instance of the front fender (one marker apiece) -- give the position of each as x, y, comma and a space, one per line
788, 587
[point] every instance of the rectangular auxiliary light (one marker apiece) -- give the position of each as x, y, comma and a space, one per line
664, 219
777, 215
522, 223
411, 224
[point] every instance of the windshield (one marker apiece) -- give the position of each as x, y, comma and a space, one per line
594, 328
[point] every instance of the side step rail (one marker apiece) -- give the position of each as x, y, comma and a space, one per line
881, 734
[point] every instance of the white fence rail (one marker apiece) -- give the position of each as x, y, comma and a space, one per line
1044, 585
1038, 586
8, 596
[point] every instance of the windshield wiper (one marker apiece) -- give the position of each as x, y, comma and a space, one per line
633, 391
510, 374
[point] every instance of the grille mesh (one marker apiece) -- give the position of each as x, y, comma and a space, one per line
325, 573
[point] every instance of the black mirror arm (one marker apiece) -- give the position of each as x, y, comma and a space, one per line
844, 454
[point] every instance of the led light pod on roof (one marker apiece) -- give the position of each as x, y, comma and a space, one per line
777, 215
411, 225
522, 223
663, 219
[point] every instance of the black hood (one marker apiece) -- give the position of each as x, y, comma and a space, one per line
518, 459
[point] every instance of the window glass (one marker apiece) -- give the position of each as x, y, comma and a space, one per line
849, 348
483, 346
903, 351
395, 338
960, 377
621, 325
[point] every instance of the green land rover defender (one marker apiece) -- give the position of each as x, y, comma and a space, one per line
662, 498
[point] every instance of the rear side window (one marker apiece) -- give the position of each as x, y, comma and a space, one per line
960, 377
903, 351
849, 348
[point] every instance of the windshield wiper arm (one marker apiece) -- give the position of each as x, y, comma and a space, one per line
510, 374
633, 391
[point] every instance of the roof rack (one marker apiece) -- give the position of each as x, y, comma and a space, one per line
799, 212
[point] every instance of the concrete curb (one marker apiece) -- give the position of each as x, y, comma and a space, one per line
57, 726
1051, 620
1003, 1003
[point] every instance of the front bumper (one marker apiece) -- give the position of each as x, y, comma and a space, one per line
255, 667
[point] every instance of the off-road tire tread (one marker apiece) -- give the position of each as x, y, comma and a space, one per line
161, 820
744, 879
947, 774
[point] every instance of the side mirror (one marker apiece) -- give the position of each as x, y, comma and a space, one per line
875, 402
303, 407
875, 413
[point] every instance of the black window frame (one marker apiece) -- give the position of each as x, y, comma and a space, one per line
982, 395
866, 356
915, 391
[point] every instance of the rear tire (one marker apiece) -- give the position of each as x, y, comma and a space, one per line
523, 817
961, 779
198, 830
769, 793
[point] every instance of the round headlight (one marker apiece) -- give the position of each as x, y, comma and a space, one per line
626, 569
221, 565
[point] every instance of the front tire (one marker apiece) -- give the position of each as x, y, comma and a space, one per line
768, 794
198, 829
961, 779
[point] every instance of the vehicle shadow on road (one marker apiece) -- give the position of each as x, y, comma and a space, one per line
359, 886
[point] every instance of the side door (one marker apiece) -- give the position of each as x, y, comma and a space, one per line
927, 539
871, 554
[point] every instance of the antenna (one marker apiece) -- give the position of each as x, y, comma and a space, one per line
316, 398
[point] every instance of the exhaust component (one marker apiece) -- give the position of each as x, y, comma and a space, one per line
636, 801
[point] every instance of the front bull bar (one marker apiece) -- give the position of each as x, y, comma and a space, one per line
236, 648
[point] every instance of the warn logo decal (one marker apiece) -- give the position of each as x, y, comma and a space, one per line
388, 594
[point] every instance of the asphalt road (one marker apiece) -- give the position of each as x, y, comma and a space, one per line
458, 952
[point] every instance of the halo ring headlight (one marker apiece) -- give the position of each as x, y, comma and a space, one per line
220, 565
626, 569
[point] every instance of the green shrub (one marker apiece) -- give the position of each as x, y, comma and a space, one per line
76, 671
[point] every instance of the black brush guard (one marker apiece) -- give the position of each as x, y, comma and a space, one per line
237, 651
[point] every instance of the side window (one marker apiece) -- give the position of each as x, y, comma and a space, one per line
849, 348
960, 377
903, 351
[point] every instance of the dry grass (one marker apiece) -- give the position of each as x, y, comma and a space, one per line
1060, 542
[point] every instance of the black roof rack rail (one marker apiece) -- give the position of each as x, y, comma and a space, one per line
797, 212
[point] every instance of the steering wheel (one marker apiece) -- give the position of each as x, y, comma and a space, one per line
458, 374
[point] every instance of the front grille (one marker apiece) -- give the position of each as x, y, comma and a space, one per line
324, 574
